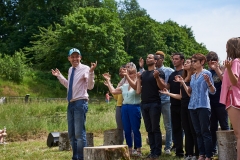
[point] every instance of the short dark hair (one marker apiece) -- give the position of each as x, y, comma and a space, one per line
180, 54
212, 56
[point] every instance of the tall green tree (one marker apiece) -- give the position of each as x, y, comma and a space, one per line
180, 39
97, 32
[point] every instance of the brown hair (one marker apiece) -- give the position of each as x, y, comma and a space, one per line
212, 56
233, 48
185, 72
200, 57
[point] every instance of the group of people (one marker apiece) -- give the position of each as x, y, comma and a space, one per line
192, 100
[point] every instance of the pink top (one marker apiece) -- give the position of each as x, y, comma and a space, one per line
83, 80
226, 84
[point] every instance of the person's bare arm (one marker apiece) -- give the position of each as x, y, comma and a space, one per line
160, 82
110, 87
233, 78
131, 82
175, 96
139, 83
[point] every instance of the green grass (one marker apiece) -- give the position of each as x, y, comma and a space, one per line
28, 126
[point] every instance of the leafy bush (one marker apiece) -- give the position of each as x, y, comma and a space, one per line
13, 67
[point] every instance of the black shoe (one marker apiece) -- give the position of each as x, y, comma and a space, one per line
155, 157
173, 149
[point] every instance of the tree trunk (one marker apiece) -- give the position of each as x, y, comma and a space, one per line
226, 145
113, 137
114, 152
64, 143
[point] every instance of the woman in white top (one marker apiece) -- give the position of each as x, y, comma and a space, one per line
131, 112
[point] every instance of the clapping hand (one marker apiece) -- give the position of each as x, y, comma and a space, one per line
56, 72
141, 62
138, 75
213, 65
124, 71
155, 73
228, 64
107, 76
206, 78
178, 78
164, 91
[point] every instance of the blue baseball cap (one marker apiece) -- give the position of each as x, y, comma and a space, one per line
74, 50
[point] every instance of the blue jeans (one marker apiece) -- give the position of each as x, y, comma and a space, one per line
151, 113
131, 118
219, 114
201, 123
76, 116
166, 113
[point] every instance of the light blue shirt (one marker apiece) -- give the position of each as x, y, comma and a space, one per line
199, 96
130, 96
168, 71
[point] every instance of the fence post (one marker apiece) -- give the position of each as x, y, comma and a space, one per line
26, 98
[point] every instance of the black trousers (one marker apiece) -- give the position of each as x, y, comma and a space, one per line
177, 129
191, 147
151, 115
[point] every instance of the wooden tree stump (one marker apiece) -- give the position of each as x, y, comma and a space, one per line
226, 145
114, 152
113, 137
64, 143
90, 142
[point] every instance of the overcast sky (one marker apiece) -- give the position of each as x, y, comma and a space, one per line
213, 22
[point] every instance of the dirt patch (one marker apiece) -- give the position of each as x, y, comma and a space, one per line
7, 91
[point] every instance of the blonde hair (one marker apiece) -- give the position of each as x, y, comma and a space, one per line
233, 48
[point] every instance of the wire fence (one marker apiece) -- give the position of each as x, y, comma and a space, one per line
28, 99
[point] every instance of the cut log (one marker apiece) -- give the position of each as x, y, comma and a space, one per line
64, 143
113, 152
226, 145
113, 137
90, 142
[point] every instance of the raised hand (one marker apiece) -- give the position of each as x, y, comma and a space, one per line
227, 64
138, 75
124, 71
56, 72
178, 78
141, 62
164, 91
155, 73
93, 66
107, 76
213, 65
206, 78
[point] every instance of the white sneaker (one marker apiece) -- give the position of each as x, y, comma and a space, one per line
188, 158
167, 151
194, 158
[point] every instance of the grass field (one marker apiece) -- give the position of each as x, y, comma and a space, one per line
28, 126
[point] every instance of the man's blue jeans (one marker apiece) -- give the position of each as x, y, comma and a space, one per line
166, 112
76, 116
201, 123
